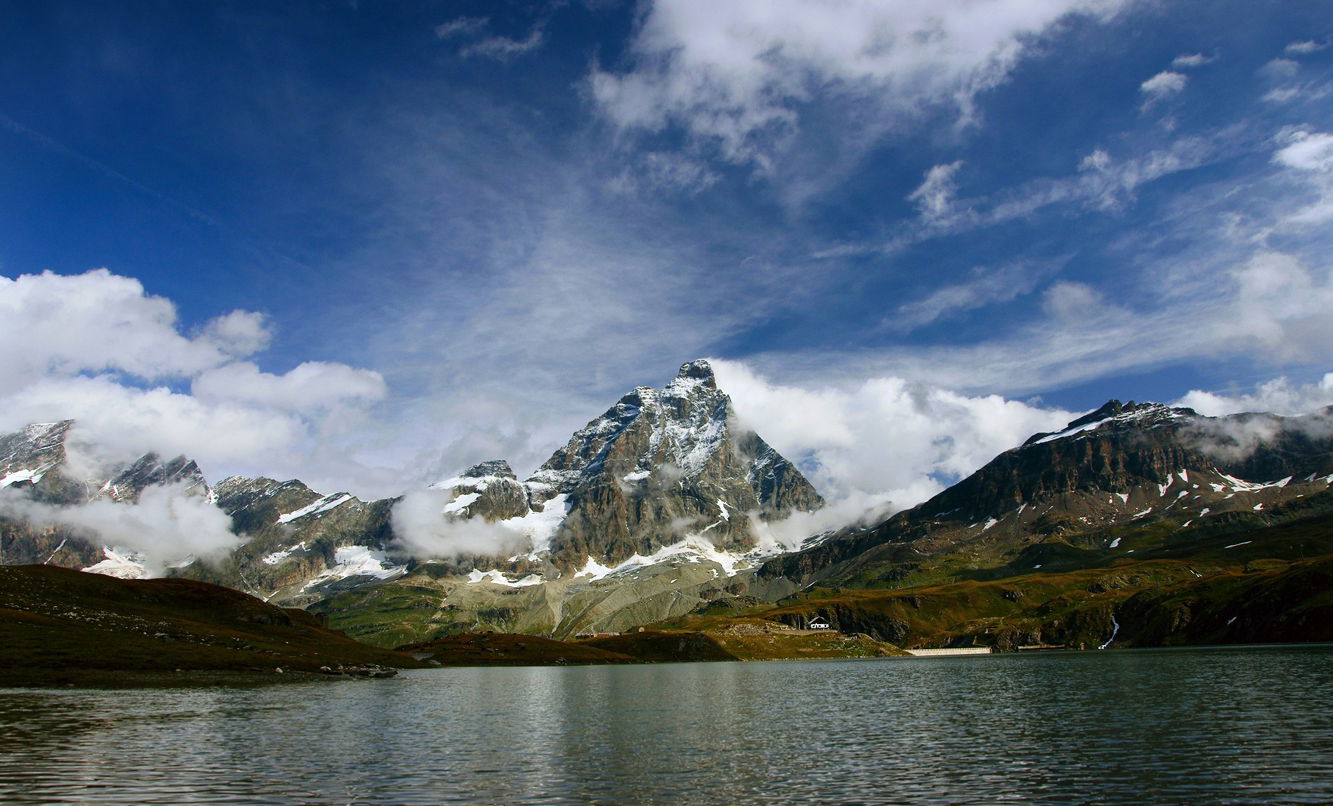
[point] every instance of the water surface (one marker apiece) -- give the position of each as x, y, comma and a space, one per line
1203, 725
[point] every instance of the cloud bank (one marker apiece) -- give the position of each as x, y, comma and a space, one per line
421, 528
97, 348
882, 444
165, 525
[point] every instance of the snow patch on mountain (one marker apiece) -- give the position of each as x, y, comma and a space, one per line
323, 505
278, 556
23, 474
456, 506
497, 578
352, 561
692, 549
121, 563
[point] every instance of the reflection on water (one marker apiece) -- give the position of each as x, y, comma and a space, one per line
1239, 725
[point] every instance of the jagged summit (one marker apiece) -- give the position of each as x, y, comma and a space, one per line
150, 470
659, 466
491, 467
697, 370
27, 456
34, 463
1115, 414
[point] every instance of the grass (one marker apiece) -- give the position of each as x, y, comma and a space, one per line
60, 627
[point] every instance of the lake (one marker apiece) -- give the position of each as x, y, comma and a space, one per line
1122, 726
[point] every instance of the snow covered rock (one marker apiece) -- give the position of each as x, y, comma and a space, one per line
661, 465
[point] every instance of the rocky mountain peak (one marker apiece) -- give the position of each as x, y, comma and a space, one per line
1114, 414
693, 373
150, 470
492, 467
28, 455
662, 465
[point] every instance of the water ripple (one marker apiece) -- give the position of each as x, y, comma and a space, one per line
1218, 725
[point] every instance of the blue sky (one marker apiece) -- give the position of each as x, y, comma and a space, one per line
369, 243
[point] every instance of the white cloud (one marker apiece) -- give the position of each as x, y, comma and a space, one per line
1232, 268
461, 26
1305, 47
1268, 307
1236, 439
239, 333
934, 197
58, 325
735, 74
1280, 69
1101, 183
1278, 396
421, 528
127, 421
311, 385
500, 48
1309, 156
503, 48
1071, 303
97, 348
1190, 60
880, 444
987, 287
1307, 151
1162, 86
1279, 306
166, 525
1098, 160
658, 170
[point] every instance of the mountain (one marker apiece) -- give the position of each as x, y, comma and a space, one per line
649, 512
646, 512
1137, 525
34, 464
660, 465
1119, 465
151, 470
32, 459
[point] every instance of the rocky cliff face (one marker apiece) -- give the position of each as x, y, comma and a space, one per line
32, 462
1124, 463
300, 546
663, 464
489, 491
34, 466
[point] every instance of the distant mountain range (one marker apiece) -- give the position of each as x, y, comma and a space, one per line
649, 513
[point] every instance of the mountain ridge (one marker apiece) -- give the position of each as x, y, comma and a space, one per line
646, 513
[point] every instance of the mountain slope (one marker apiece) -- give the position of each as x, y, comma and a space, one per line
58, 625
1121, 467
35, 470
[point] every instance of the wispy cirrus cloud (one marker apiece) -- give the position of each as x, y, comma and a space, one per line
1161, 87
987, 286
1305, 47
935, 196
1102, 182
472, 35
1188, 61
